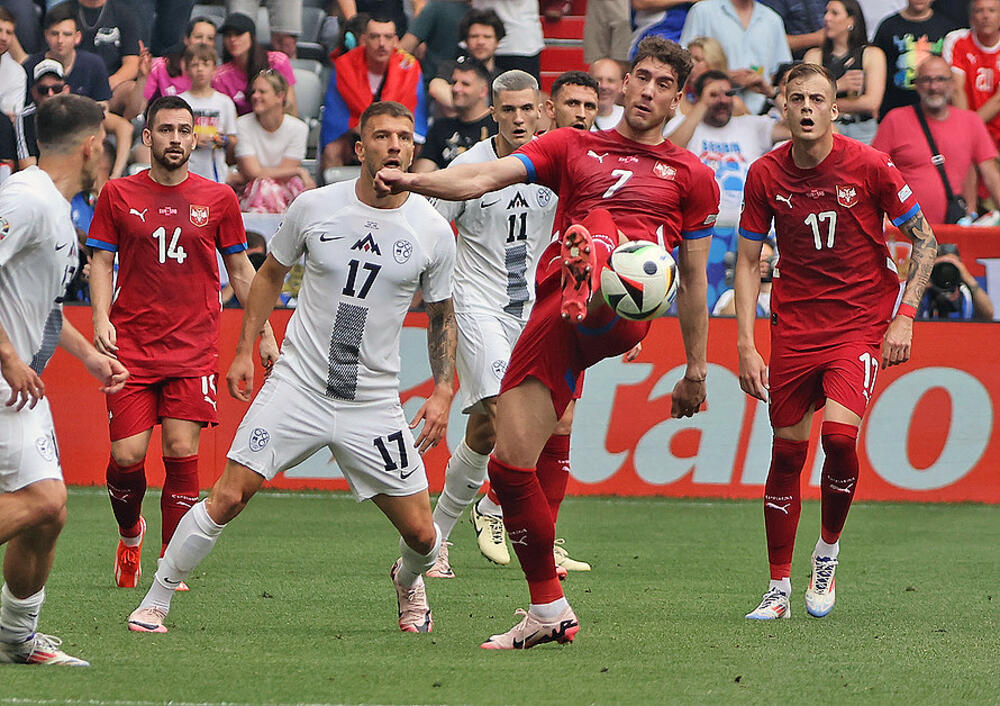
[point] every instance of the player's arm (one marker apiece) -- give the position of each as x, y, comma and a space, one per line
102, 265
442, 340
746, 287
241, 274
122, 130
897, 340
689, 392
459, 182
26, 387
108, 371
264, 290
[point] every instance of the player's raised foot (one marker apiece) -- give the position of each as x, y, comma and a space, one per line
491, 536
442, 568
39, 649
414, 613
532, 631
775, 605
578, 260
821, 594
128, 560
564, 560
147, 620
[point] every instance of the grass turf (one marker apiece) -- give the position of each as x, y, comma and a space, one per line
295, 605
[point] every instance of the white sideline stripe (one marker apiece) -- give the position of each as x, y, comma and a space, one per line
99, 702
155, 492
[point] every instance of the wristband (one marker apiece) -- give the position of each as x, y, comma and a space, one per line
907, 310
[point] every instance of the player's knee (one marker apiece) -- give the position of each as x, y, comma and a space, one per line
838, 445
226, 502
128, 455
420, 539
48, 503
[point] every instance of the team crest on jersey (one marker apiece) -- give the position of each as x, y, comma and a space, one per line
499, 368
367, 244
517, 202
544, 196
199, 215
4, 227
401, 251
664, 171
259, 438
847, 195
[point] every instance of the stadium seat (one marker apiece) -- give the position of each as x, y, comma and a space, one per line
216, 13
308, 93
561, 59
569, 27
310, 65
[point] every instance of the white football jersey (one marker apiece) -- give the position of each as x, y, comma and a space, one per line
38, 258
500, 236
362, 267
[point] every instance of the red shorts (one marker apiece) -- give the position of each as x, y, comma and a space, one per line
143, 403
800, 380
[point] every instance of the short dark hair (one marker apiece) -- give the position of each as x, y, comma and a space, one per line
481, 17
807, 70
573, 78
396, 110
166, 103
195, 21
710, 75
61, 13
666, 52
200, 52
381, 19
64, 120
468, 63
5, 16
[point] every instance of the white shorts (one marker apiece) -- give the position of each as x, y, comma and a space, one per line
371, 441
484, 346
28, 450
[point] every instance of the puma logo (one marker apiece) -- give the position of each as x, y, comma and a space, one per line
846, 489
783, 508
521, 538
598, 157
785, 199
141, 214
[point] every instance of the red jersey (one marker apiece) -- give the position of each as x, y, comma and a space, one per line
981, 68
654, 192
835, 281
166, 306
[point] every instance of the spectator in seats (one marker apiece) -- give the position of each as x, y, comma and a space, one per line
437, 29
573, 101
803, 20
165, 74
48, 80
111, 29
271, 147
283, 16
84, 72
214, 116
29, 31
726, 304
974, 54
482, 31
960, 137
161, 23
907, 38
752, 37
473, 122
728, 145
243, 58
523, 41
376, 70
858, 67
663, 18
610, 78
388, 9
607, 30
13, 80
706, 54
953, 293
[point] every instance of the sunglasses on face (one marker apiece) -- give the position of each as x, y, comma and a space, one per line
51, 89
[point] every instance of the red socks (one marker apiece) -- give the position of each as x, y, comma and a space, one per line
126, 488
553, 472
783, 503
840, 476
530, 527
180, 493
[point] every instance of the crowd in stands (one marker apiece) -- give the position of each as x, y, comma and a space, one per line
916, 78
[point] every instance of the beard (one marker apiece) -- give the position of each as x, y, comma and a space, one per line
169, 162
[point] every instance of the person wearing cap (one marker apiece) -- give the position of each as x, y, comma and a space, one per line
243, 58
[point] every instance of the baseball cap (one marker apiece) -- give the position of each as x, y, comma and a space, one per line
238, 23
47, 66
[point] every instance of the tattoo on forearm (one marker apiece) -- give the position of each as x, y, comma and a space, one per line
921, 258
442, 339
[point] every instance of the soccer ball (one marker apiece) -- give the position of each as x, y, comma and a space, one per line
639, 281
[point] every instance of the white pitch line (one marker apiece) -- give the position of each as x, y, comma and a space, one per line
118, 702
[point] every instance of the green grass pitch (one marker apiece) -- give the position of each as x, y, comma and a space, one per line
295, 606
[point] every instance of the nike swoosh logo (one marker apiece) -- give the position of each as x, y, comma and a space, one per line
171, 582
487, 205
404, 476
326, 237
60, 246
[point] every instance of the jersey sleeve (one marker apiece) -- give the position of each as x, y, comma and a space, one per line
894, 195
231, 236
436, 280
103, 234
288, 244
449, 210
18, 217
701, 207
544, 156
755, 221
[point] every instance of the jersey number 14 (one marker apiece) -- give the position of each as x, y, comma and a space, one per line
171, 250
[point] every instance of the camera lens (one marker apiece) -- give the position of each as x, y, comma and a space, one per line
945, 276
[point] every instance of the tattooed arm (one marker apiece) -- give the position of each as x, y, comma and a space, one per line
897, 340
442, 338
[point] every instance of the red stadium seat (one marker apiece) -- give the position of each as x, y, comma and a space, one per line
561, 59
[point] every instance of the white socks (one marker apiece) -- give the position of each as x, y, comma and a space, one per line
195, 536
19, 616
549, 611
784, 585
828, 551
488, 507
463, 477
416, 564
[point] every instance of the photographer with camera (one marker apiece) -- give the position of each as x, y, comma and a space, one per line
726, 304
953, 293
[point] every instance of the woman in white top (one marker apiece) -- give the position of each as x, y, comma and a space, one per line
270, 148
